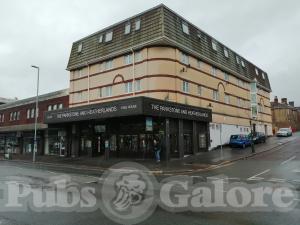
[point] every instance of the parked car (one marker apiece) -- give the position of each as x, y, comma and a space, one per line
239, 140
284, 132
259, 137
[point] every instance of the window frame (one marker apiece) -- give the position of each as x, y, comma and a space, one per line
127, 28
108, 36
185, 27
185, 86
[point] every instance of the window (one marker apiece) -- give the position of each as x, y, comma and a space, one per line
199, 64
108, 36
185, 28
127, 28
11, 116
243, 63
18, 115
79, 50
253, 87
226, 76
256, 71
185, 86
216, 95
227, 99
253, 98
199, 90
108, 91
137, 85
128, 59
78, 96
49, 107
214, 71
108, 65
263, 75
237, 59
128, 87
55, 107
226, 53
32, 113
214, 45
138, 56
137, 24
101, 38
184, 58
28, 113
239, 83
239, 102
60, 106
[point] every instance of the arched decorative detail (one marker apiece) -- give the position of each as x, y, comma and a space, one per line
118, 76
221, 84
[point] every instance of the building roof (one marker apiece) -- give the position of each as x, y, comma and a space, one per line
6, 100
31, 100
162, 26
278, 105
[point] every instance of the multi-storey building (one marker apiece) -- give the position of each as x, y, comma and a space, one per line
156, 75
285, 115
17, 121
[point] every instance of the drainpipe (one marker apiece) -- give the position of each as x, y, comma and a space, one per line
133, 71
88, 84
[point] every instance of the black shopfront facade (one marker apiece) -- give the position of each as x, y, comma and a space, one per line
127, 128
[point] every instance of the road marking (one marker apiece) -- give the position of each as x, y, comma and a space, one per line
296, 171
286, 161
297, 181
256, 176
277, 180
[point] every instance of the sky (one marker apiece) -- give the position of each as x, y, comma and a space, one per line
41, 32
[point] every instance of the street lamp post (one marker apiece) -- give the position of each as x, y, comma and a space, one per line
252, 137
36, 112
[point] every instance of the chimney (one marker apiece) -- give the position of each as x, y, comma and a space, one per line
276, 99
284, 101
292, 104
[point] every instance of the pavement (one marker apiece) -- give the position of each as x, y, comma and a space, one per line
201, 162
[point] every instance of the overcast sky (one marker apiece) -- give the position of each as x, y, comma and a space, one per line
266, 32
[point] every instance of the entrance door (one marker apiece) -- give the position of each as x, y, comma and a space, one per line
187, 144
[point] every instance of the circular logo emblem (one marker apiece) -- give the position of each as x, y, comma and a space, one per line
128, 193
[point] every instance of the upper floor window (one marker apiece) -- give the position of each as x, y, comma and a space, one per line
32, 113
263, 75
105, 91
138, 56
185, 86
185, 28
108, 36
243, 63
28, 113
128, 87
199, 64
216, 95
108, 65
49, 107
256, 71
137, 24
184, 58
199, 90
127, 28
79, 50
78, 96
128, 59
237, 59
1, 118
55, 107
226, 76
214, 71
137, 85
60, 106
227, 99
11, 116
18, 115
226, 52
100, 38
214, 45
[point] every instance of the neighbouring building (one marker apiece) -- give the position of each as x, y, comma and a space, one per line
285, 115
17, 125
157, 76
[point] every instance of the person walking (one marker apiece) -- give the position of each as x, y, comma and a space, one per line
157, 149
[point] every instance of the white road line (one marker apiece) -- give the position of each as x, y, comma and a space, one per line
277, 180
256, 176
286, 161
297, 181
296, 171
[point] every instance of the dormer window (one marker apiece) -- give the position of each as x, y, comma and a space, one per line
108, 36
79, 50
226, 52
214, 45
263, 75
185, 28
137, 24
237, 60
127, 28
243, 63
256, 71
100, 38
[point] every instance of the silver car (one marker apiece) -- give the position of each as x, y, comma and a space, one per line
284, 132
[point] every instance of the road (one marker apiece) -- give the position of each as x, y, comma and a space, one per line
279, 166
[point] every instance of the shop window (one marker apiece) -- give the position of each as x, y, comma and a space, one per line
127, 28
